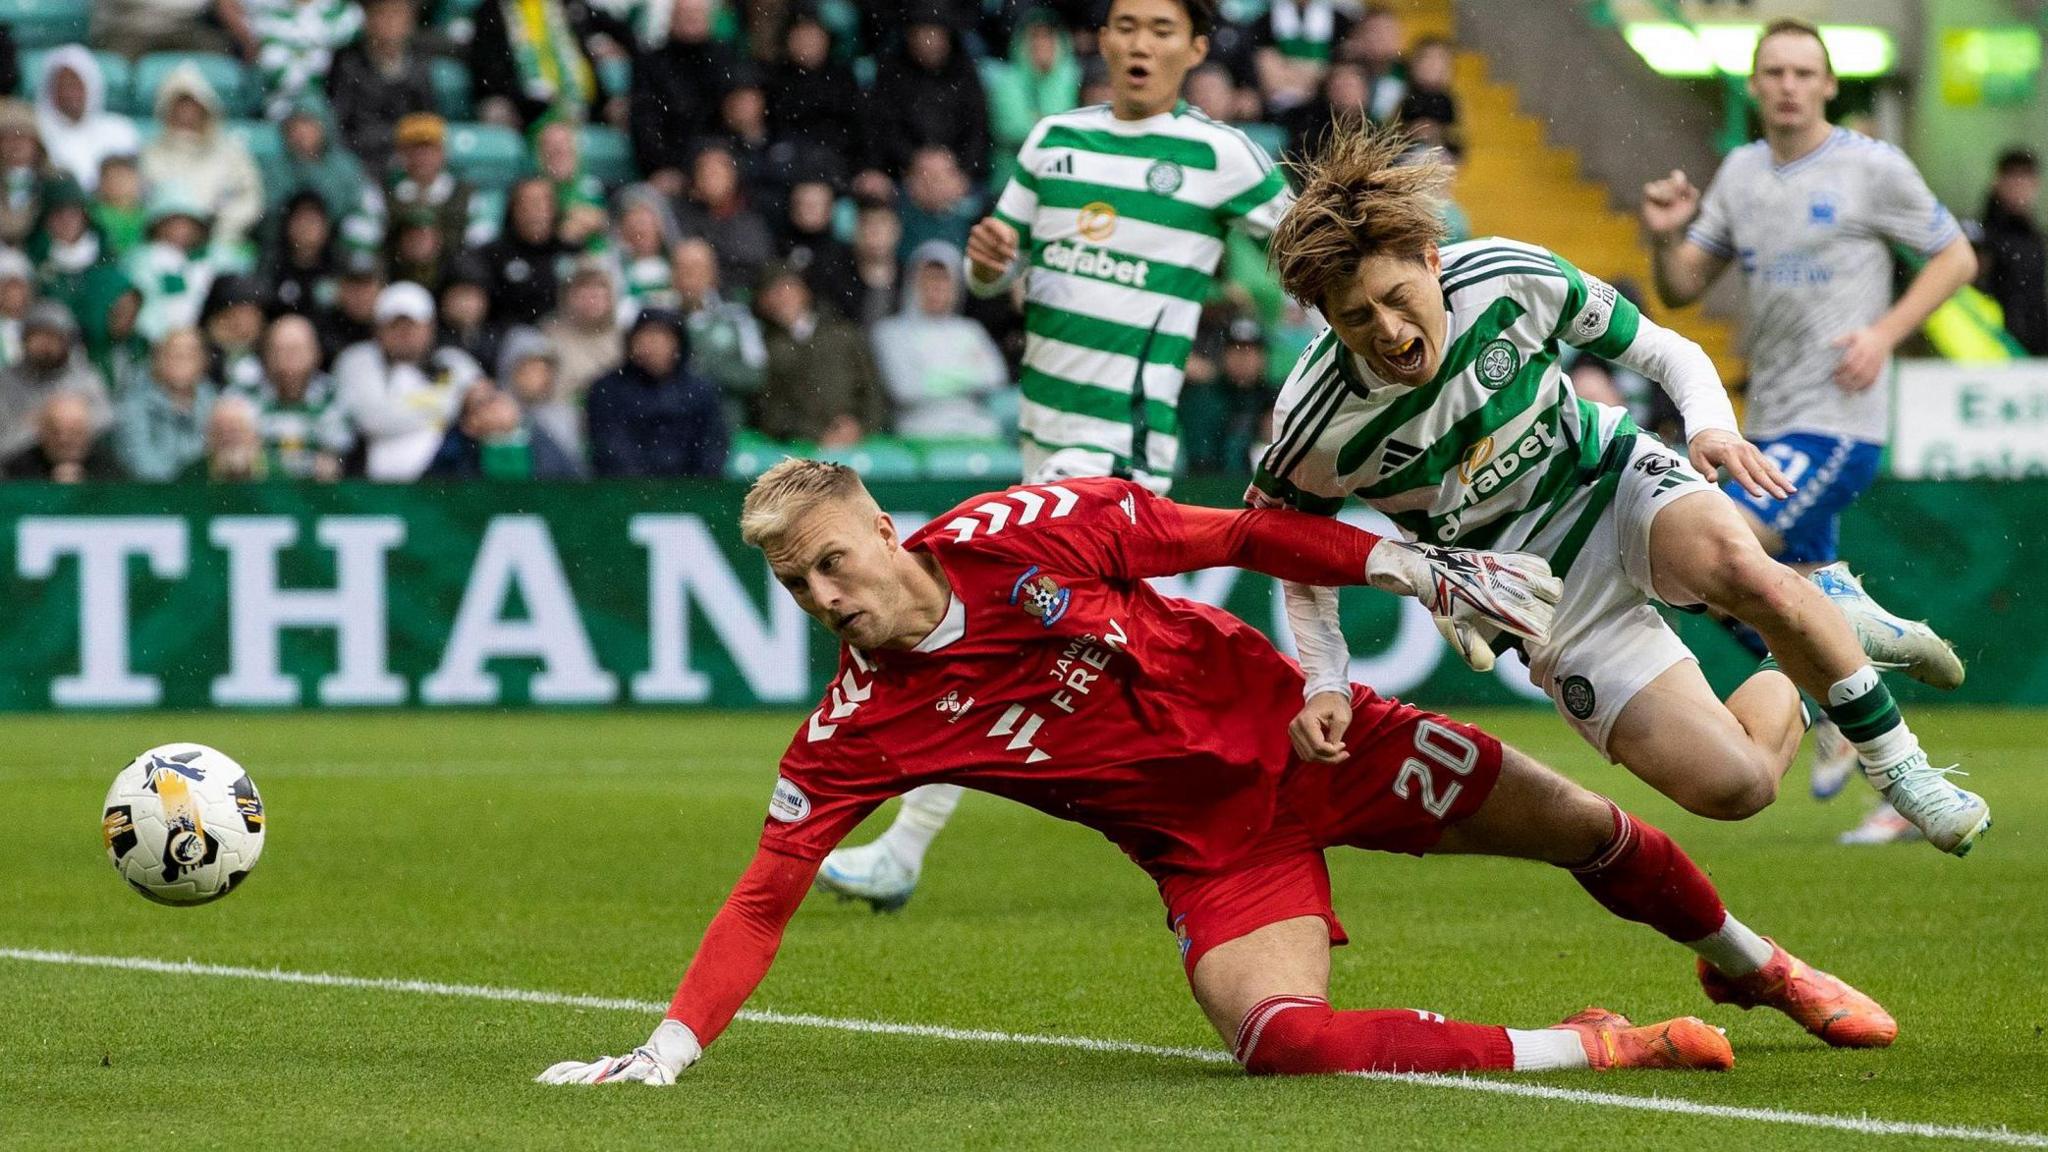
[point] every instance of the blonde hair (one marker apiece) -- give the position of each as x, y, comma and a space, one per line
795, 486
1358, 200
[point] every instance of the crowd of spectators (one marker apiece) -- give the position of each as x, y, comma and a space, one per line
304, 249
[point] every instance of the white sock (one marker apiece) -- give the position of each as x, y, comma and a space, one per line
925, 811
1734, 950
1547, 1049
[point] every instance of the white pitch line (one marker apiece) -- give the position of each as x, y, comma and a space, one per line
1862, 1125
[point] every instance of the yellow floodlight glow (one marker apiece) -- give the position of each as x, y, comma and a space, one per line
1676, 50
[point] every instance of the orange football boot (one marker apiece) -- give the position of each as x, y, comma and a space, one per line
1823, 1005
1687, 1042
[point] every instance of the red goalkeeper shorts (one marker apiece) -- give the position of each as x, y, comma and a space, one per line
1410, 775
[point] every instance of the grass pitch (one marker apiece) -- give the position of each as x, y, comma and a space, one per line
584, 853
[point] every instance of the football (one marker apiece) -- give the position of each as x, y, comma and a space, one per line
183, 824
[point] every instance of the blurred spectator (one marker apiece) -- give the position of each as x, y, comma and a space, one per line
107, 307
118, 209
1226, 418
314, 160
466, 321
232, 321
1375, 44
1342, 94
579, 196
530, 370
767, 166
171, 270
2013, 254
423, 182
939, 203
50, 363
493, 440
939, 366
645, 235
299, 266
1214, 94
1457, 225
133, 27
676, 87
525, 260
588, 338
821, 383
1428, 109
652, 416
66, 448
417, 248
717, 211
160, 423
352, 319
233, 451
824, 260
71, 117
725, 339
815, 103
927, 94
531, 57
64, 243
304, 433
877, 239
295, 45
17, 292
1040, 79
1295, 43
24, 172
379, 80
195, 153
399, 391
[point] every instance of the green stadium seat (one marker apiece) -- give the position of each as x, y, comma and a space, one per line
608, 155
46, 23
753, 454
452, 92
486, 155
116, 76
239, 92
876, 458
1271, 137
990, 460
615, 75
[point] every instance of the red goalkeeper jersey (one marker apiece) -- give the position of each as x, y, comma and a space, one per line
1061, 680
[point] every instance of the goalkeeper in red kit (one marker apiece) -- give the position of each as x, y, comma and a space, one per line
1013, 646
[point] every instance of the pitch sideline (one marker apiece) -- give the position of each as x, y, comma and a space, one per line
1670, 1105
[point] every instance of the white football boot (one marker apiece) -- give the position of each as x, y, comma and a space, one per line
870, 872
1909, 646
1883, 825
1950, 817
1834, 760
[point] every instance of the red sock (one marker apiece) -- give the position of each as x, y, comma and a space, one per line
1301, 1036
1642, 876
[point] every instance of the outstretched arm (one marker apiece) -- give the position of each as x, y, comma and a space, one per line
737, 951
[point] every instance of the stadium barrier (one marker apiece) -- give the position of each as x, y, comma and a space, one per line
134, 596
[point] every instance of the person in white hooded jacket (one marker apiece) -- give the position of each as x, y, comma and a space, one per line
940, 367
72, 118
210, 165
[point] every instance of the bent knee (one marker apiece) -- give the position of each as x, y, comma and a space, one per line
1737, 792
1744, 582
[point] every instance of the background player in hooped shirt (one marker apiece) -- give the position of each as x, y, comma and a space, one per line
1116, 219
1074, 687
1435, 396
1811, 213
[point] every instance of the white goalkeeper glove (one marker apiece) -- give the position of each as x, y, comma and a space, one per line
672, 1048
1472, 594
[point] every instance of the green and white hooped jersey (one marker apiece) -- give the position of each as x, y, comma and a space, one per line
1122, 225
1496, 451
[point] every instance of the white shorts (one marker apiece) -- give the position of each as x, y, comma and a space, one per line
1044, 466
1608, 641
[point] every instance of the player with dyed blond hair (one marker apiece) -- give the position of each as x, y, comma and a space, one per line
1013, 645
1435, 396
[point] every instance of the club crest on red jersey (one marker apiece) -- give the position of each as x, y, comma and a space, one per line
1040, 596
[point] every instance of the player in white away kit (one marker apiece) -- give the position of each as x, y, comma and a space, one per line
1116, 219
1435, 396
1810, 213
